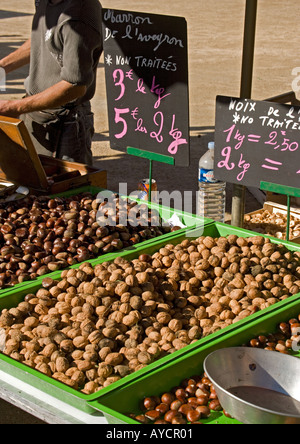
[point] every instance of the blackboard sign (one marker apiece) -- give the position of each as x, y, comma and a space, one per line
146, 65
257, 141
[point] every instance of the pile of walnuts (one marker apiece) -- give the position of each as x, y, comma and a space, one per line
97, 325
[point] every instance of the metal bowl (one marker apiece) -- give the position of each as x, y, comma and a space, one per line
256, 386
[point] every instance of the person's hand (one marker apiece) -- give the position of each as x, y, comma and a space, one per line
54, 97
8, 109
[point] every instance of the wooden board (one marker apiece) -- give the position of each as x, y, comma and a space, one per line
20, 164
72, 175
19, 160
272, 208
282, 200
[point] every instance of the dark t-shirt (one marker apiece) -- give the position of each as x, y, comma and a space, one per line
66, 44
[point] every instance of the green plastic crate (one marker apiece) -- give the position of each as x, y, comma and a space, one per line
82, 401
118, 404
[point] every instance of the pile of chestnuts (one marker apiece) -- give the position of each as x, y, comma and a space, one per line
285, 340
40, 235
193, 400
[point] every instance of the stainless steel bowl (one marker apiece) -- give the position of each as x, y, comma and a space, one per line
256, 386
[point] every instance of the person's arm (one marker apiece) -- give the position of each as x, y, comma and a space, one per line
17, 59
54, 97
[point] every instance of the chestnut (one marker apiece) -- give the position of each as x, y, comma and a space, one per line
203, 400
52, 204
185, 408
191, 389
179, 421
21, 232
153, 415
204, 411
181, 393
102, 232
150, 403
162, 408
193, 402
193, 415
171, 415
215, 405
168, 398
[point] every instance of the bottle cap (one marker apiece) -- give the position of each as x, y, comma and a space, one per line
211, 145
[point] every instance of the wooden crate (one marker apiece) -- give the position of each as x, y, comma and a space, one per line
67, 175
21, 164
282, 200
272, 208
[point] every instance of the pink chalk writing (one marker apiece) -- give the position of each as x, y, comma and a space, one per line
275, 140
135, 113
129, 74
178, 140
141, 87
119, 119
285, 145
160, 125
274, 165
159, 121
254, 138
240, 138
226, 152
140, 127
272, 140
156, 89
245, 167
119, 77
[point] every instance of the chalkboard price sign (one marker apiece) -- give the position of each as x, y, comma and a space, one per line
257, 141
146, 66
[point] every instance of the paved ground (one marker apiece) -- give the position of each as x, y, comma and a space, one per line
215, 49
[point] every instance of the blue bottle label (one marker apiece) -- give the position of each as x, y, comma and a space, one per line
206, 176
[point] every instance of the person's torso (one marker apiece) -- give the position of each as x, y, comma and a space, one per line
47, 45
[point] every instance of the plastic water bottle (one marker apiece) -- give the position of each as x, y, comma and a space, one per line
212, 193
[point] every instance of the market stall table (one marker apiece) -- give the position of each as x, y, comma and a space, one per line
41, 405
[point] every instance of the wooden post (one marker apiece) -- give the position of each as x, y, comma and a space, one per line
239, 192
